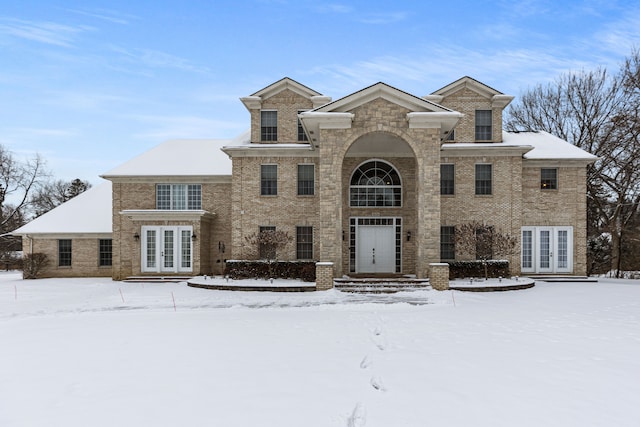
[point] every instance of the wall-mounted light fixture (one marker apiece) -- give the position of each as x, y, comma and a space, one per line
343, 235
408, 235
193, 236
136, 236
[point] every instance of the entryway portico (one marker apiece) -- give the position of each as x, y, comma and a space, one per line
379, 123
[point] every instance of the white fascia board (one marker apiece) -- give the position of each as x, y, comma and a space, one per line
319, 101
424, 120
162, 214
328, 120
65, 235
252, 102
482, 149
170, 179
501, 101
259, 149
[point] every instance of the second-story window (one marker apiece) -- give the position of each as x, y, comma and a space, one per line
483, 125
179, 197
268, 180
549, 179
268, 125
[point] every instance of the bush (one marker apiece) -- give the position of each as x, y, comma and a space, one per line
261, 269
464, 269
32, 264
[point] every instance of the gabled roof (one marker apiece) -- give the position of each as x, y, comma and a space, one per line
89, 212
178, 157
498, 98
286, 83
382, 90
254, 101
468, 82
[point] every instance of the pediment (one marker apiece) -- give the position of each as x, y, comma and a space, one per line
386, 92
497, 98
254, 101
284, 84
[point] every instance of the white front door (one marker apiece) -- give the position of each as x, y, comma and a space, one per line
376, 249
166, 249
547, 250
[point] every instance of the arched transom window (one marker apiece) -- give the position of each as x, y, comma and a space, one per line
375, 184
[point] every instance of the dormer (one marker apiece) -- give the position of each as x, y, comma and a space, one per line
481, 105
274, 111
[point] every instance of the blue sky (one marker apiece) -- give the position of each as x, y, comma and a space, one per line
90, 84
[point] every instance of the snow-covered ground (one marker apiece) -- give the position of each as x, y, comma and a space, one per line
92, 352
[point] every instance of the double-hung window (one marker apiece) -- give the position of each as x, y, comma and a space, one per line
306, 180
447, 242
483, 179
179, 196
549, 179
268, 125
483, 125
268, 180
105, 255
64, 253
304, 242
447, 179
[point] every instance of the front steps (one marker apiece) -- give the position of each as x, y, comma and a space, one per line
380, 284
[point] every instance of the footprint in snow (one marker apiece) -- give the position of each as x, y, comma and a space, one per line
376, 383
358, 417
365, 363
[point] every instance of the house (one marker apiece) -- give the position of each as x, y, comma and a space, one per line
374, 182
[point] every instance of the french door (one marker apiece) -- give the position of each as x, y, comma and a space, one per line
375, 245
166, 249
547, 249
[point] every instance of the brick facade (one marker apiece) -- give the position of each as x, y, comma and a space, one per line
377, 123
84, 256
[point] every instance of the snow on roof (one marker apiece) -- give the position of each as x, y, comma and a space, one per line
179, 157
543, 146
244, 139
546, 146
89, 212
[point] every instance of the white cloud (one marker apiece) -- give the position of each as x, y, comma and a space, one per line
42, 32
157, 59
105, 15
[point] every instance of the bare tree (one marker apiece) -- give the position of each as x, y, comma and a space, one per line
55, 193
599, 113
483, 242
267, 244
18, 180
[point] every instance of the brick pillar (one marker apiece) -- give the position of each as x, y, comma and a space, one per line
324, 276
439, 276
